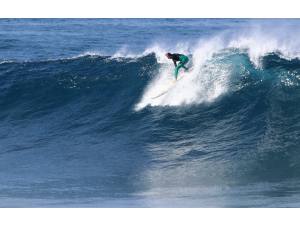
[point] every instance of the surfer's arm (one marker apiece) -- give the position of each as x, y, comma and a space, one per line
175, 64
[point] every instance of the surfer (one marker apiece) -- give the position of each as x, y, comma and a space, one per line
183, 59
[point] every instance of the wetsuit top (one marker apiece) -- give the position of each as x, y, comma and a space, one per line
175, 58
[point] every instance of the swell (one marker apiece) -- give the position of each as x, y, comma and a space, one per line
38, 87
32, 88
254, 123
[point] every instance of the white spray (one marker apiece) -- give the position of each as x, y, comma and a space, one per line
209, 79
204, 82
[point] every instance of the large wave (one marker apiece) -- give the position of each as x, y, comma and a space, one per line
232, 119
218, 66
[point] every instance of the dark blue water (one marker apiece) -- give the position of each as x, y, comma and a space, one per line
79, 126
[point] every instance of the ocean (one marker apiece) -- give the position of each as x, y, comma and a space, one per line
80, 125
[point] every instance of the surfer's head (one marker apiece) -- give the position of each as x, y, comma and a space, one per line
169, 55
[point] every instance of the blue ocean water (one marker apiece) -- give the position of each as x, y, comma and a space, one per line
80, 127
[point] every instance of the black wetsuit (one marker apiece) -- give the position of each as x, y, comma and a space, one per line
175, 58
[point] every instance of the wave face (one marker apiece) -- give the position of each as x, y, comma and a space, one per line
86, 130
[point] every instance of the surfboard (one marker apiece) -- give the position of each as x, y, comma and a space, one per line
168, 89
161, 94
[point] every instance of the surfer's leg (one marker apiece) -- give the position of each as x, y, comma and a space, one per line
183, 61
177, 70
182, 65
